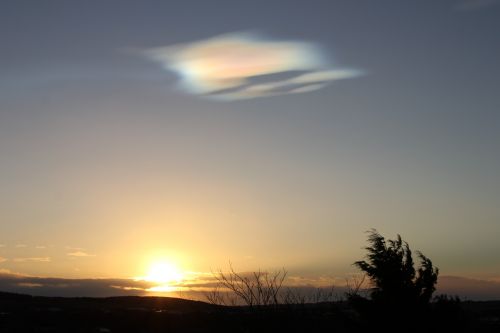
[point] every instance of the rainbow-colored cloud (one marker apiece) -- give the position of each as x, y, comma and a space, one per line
236, 66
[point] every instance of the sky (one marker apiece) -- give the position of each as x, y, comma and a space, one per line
265, 133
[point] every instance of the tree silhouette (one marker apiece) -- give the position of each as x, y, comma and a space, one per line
390, 267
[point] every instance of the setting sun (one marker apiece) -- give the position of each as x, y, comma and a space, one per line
165, 274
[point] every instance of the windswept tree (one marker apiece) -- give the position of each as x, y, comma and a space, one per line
390, 267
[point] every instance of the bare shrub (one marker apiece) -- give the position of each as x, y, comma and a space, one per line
355, 286
252, 289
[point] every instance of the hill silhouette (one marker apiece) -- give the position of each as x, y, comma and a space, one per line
25, 313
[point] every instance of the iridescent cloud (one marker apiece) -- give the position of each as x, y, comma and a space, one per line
239, 66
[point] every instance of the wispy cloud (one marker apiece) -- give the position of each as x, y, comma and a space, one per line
468, 5
46, 286
2, 259
235, 66
474, 289
80, 254
3, 245
29, 284
6, 272
32, 259
21, 245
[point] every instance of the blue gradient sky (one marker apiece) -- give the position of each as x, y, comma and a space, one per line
100, 150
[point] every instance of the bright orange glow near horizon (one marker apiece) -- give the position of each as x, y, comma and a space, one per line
165, 274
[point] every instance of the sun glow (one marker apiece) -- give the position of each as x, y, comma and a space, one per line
165, 275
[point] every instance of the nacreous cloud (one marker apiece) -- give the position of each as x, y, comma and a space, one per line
239, 66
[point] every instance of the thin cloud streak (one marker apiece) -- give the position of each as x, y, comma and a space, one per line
32, 259
473, 289
43, 286
80, 254
226, 67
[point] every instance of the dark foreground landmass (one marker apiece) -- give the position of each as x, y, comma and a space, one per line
23, 313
